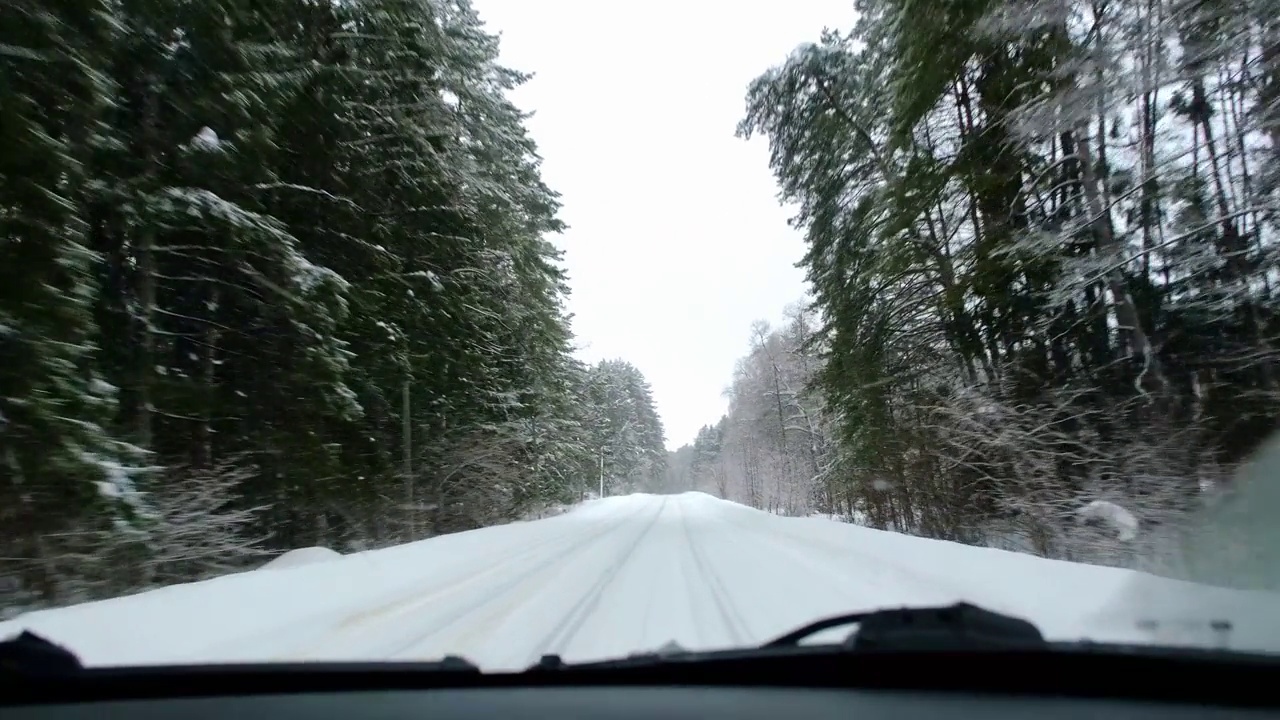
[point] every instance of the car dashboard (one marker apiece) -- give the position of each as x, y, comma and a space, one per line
627, 703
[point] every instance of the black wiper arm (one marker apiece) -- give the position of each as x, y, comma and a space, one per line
925, 630
794, 637
956, 627
30, 654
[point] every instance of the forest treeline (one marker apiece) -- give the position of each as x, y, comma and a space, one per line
1041, 242
277, 274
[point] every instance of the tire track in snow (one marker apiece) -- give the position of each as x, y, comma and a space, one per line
506, 596
565, 630
648, 609
687, 582
422, 595
374, 620
328, 630
780, 537
730, 617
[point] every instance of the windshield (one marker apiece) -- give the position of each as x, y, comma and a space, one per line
387, 330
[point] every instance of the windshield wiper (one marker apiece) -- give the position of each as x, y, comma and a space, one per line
932, 629
954, 627
794, 637
959, 648
30, 654
959, 627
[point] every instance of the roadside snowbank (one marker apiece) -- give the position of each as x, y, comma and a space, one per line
301, 556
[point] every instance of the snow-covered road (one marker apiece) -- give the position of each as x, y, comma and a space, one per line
608, 578
613, 577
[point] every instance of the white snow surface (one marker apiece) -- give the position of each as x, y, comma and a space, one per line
301, 556
1120, 519
608, 578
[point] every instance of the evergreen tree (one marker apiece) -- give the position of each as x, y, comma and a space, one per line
287, 268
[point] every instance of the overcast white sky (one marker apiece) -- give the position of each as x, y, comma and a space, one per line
676, 242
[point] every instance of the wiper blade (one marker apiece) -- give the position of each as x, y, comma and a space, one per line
955, 627
30, 654
961, 627
794, 637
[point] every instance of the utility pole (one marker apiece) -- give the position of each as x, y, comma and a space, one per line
601, 471
407, 432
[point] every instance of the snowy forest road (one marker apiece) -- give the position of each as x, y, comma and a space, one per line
612, 577
606, 579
